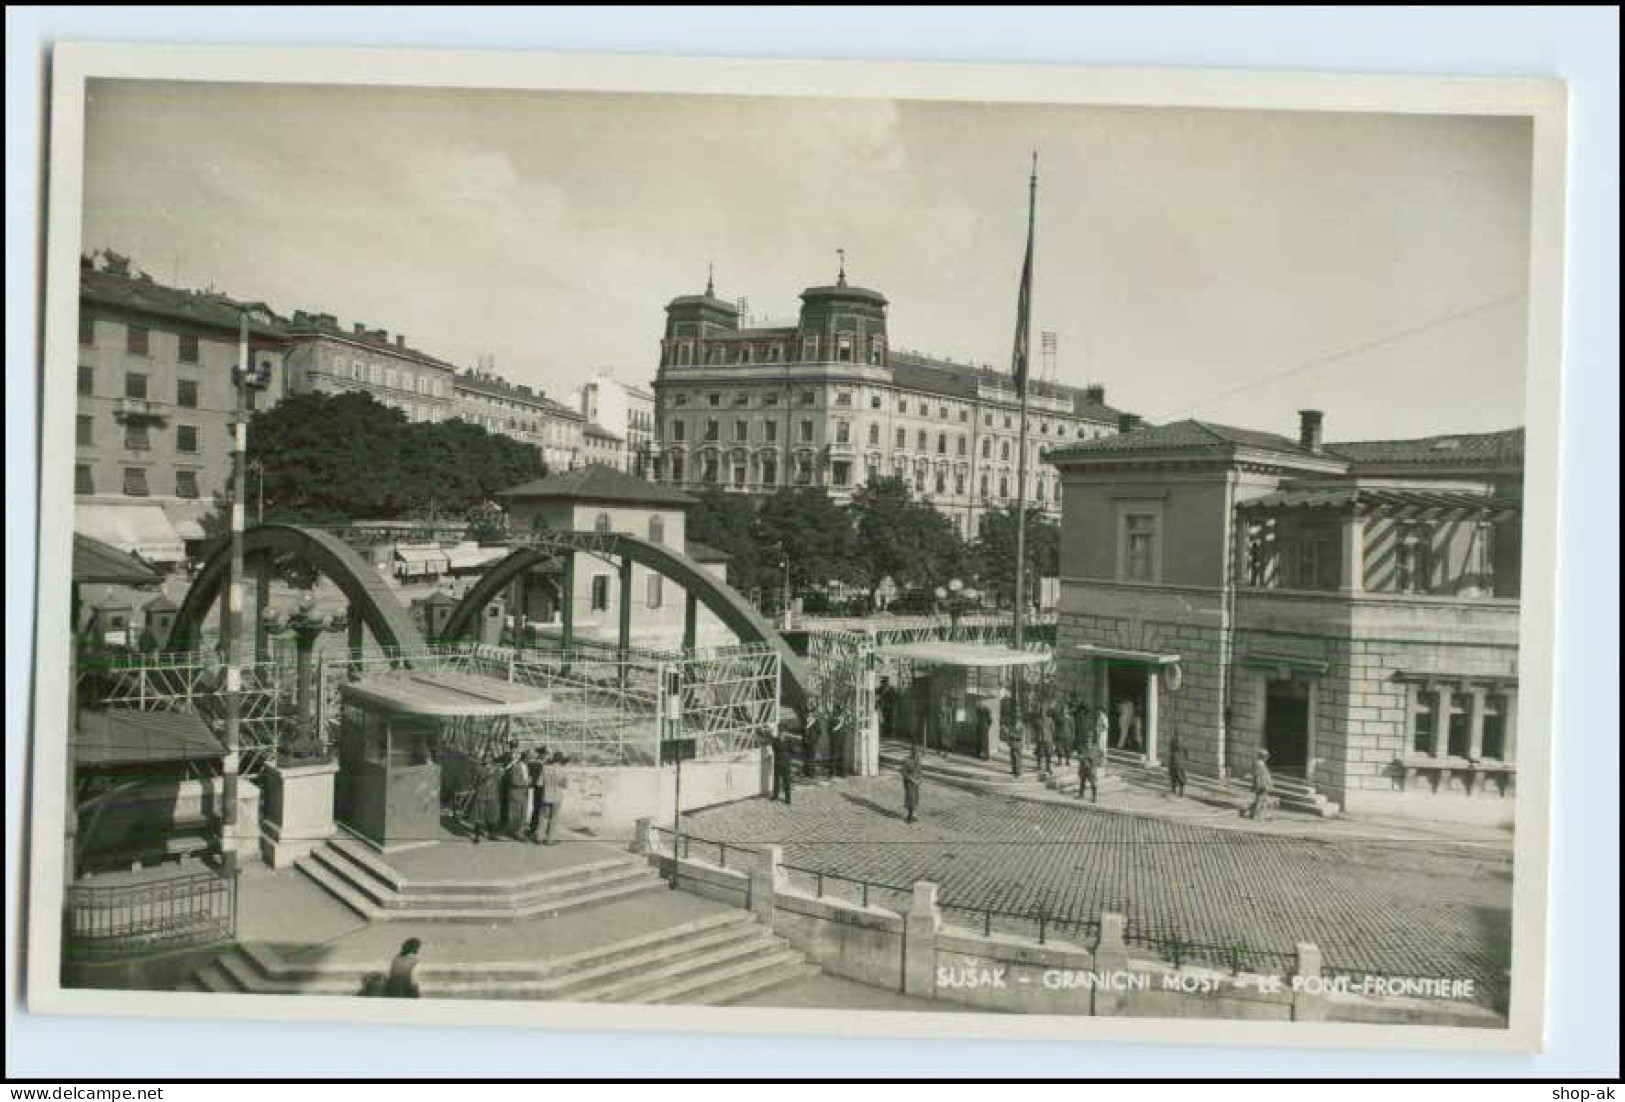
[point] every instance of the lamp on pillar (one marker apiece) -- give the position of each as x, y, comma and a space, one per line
307, 628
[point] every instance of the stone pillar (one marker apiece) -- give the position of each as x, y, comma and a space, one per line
1441, 718
640, 836
764, 881
1153, 712
1509, 727
920, 928
299, 810
1111, 957
1353, 576
567, 601
691, 620
1475, 724
1309, 1003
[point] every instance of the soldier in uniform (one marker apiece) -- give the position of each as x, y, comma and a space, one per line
537, 761
1176, 765
1089, 773
516, 794
911, 783
489, 813
1044, 734
1016, 736
984, 724
1065, 732
1262, 784
782, 765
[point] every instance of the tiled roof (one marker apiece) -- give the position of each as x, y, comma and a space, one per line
1501, 449
1389, 498
704, 552
95, 561
919, 372
1185, 436
597, 482
142, 295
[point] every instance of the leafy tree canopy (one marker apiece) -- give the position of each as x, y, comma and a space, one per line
995, 552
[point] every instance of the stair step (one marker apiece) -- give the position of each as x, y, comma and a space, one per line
753, 984
693, 988
217, 980
338, 887
759, 943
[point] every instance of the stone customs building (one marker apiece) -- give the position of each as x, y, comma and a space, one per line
326, 359
828, 402
600, 498
1351, 608
153, 427
485, 399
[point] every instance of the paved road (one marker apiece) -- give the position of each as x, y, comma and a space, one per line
1421, 909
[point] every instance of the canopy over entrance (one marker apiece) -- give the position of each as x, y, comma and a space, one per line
962, 655
139, 529
445, 694
1125, 654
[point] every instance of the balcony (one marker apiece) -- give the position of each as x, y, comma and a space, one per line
140, 410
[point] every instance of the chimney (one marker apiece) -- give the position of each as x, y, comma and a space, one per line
1128, 422
1094, 395
327, 321
360, 330
400, 340
1309, 429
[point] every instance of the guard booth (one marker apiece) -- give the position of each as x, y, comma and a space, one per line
947, 684
408, 740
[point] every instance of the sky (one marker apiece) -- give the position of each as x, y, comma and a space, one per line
1235, 266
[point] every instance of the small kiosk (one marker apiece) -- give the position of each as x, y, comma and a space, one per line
948, 683
407, 739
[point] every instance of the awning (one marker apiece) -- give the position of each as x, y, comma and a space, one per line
1125, 654
1291, 662
189, 530
421, 560
140, 529
125, 736
962, 655
471, 556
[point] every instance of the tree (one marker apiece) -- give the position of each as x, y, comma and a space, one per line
728, 523
802, 524
896, 535
995, 552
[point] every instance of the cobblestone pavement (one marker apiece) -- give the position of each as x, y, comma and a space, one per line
1412, 909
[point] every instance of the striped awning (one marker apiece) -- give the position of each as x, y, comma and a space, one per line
137, 528
1389, 500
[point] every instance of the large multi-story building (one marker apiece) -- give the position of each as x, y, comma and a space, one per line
828, 402
325, 359
156, 402
1350, 609
512, 409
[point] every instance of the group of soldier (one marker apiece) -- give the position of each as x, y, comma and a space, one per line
517, 795
1059, 732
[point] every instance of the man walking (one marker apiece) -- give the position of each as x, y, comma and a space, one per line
1016, 736
1176, 765
1089, 772
781, 756
1044, 727
1262, 784
911, 783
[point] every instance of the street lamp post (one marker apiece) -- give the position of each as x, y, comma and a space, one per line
246, 376
259, 490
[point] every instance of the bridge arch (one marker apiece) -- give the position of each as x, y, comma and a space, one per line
726, 603
390, 623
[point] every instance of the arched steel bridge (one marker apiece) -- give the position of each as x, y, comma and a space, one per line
373, 604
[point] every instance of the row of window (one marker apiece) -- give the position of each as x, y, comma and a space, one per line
769, 399
376, 374
769, 434
846, 348
137, 435
135, 483
924, 478
1442, 724
137, 386
653, 597
138, 340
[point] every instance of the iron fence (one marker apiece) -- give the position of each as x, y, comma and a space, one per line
183, 683
847, 889
190, 909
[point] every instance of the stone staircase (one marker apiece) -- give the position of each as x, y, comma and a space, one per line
351, 871
710, 961
1291, 793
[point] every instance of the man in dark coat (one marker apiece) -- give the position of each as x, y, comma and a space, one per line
1017, 737
1176, 765
1065, 732
1044, 733
489, 814
789, 725
911, 783
401, 983
984, 724
537, 762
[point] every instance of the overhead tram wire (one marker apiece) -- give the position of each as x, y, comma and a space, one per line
1353, 350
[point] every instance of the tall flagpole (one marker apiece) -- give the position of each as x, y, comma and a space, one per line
1020, 369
